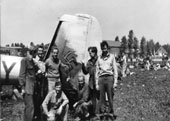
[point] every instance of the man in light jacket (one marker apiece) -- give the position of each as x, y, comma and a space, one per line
58, 104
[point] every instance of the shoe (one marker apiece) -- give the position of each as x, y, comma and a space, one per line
87, 115
77, 119
114, 117
92, 114
111, 111
96, 117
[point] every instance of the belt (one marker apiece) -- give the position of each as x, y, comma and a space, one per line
106, 75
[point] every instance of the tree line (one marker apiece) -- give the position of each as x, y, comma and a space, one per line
142, 47
131, 45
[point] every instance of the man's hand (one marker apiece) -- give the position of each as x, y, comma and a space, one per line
75, 104
22, 91
38, 72
114, 85
68, 79
65, 66
83, 61
46, 74
59, 110
97, 87
48, 114
85, 103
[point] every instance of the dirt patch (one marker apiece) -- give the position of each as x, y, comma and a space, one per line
12, 110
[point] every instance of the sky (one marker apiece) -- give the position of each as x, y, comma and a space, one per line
25, 21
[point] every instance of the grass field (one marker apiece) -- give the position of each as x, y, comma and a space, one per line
143, 96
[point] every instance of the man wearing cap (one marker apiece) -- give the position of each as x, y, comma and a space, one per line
27, 78
58, 103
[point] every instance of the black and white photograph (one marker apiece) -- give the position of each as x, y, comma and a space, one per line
85, 60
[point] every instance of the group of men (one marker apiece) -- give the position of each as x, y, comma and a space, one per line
103, 77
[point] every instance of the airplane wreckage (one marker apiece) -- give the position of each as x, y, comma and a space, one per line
73, 35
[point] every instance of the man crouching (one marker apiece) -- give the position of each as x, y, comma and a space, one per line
83, 104
57, 102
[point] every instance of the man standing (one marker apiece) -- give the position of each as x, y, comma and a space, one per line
124, 64
40, 53
106, 76
90, 69
40, 89
27, 78
58, 104
52, 69
38, 60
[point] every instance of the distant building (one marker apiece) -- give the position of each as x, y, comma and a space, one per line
161, 52
114, 46
16, 51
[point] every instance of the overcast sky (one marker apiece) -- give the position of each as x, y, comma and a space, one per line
36, 20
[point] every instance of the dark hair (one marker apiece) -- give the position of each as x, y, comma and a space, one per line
32, 50
55, 48
93, 49
40, 46
104, 43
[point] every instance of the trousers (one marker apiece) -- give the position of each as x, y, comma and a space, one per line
59, 117
105, 87
29, 107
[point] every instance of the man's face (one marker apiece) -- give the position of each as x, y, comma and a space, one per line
57, 89
92, 54
105, 50
81, 81
55, 54
31, 53
40, 52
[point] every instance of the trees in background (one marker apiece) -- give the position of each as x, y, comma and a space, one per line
167, 48
124, 45
157, 46
150, 47
24, 48
117, 39
143, 47
136, 47
131, 45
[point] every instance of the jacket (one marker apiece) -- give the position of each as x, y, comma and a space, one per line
27, 75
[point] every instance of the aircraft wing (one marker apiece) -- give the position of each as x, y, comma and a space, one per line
10, 67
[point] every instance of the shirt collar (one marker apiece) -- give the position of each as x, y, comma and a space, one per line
55, 61
105, 57
93, 60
